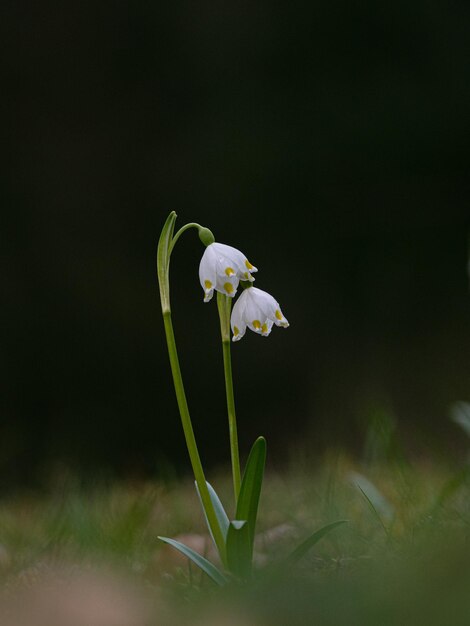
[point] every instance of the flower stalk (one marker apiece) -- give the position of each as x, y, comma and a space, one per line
224, 305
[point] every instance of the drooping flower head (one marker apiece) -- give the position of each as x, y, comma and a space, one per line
258, 310
222, 268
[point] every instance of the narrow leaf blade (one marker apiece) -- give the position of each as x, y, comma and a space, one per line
373, 508
163, 260
239, 549
305, 546
166, 234
206, 566
221, 515
250, 491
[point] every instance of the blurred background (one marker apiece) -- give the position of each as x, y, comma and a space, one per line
327, 140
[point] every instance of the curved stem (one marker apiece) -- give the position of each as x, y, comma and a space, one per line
224, 304
190, 438
181, 231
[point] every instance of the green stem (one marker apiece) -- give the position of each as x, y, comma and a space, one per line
224, 304
232, 419
180, 232
190, 439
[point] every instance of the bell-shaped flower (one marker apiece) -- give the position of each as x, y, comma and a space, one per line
222, 268
258, 310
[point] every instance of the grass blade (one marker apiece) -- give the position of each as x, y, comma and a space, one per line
449, 489
304, 547
206, 566
373, 508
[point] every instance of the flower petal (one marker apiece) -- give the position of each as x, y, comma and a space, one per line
253, 315
227, 285
230, 257
207, 273
280, 320
266, 328
237, 321
266, 303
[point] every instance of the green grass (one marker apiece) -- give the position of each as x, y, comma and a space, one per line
403, 557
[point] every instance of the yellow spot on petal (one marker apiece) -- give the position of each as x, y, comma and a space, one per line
228, 287
279, 315
249, 266
236, 331
229, 271
256, 324
207, 284
246, 275
264, 328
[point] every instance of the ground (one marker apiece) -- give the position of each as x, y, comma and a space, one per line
86, 556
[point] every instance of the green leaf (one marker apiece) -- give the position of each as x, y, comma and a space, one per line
375, 498
206, 566
239, 551
163, 260
304, 547
449, 489
164, 241
250, 490
220, 513
373, 508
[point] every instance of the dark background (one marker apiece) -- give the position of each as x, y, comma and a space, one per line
328, 140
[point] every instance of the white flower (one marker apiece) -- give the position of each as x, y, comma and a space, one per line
221, 268
258, 310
